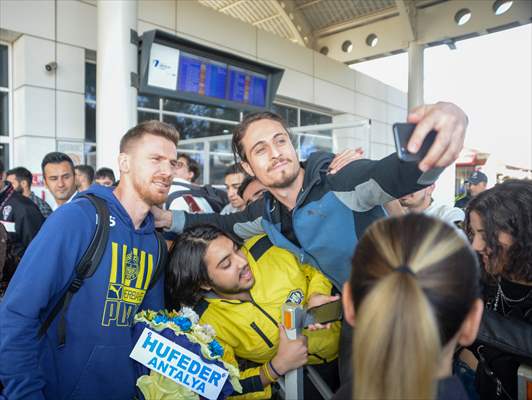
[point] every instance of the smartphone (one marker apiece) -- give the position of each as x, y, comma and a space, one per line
328, 312
402, 134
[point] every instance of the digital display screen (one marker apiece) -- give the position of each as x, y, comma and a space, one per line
195, 76
247, 87
201, 76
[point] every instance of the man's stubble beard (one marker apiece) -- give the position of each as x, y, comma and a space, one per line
147, 196
287, 181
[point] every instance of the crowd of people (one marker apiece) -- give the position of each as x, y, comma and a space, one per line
437, 299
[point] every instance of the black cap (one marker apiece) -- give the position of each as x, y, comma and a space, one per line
477, 177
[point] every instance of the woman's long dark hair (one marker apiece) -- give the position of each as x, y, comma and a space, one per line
507, 207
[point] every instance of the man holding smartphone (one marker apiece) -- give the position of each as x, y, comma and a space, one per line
240, 293
313, 211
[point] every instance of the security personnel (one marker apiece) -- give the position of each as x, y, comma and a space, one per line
21, 220
475, 185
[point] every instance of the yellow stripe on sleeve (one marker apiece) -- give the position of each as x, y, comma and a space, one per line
150, 270
140, 277
114, 264
124, 256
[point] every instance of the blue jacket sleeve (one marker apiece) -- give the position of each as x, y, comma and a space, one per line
42, 275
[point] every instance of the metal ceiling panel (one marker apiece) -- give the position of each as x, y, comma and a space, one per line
261, 13
324, 13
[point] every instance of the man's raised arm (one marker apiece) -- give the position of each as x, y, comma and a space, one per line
244, 224
367, 183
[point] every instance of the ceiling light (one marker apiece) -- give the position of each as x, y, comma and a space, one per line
501, 6
462, 17
347, 46
372, 40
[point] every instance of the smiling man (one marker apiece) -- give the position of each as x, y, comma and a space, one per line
316, 215
59, 176
319, 216
240, 291
234, 176
86, 354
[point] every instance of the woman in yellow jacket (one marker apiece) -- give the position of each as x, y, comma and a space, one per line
240, 292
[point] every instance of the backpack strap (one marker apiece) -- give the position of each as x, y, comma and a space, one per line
161, 258
85, 268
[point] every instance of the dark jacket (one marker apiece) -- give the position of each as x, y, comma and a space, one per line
331, 213
22, 220
504, 341
462, 202
25, 215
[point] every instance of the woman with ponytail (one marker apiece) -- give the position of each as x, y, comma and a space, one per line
413, 296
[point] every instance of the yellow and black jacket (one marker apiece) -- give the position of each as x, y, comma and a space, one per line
249, 330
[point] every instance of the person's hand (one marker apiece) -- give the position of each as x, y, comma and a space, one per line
163, 219
317, 300
345, 157
450, 123
394, 208
291, 354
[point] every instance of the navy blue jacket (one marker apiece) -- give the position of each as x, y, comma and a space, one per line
94, 363
331, 213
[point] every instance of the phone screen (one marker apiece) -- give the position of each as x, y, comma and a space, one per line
324, 313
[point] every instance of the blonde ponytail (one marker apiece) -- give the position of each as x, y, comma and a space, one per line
396, 342
414, 280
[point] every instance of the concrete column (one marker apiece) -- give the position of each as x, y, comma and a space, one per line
415, 75
116, 108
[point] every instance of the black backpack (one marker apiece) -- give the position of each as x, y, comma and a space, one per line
89, 264
216, 198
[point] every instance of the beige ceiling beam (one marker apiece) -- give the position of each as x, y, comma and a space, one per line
295, 21
308, 4
432, 25
232, 5
263, 20
407, 17
355, 23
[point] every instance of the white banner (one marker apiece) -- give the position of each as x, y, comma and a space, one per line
163, 67
179, 364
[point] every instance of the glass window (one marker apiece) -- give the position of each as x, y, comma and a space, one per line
194, 128
90, 122
90, 102
146, 116
90, 154
221, 157
312, 118
4, 154
289, 114
4, 73
148, 102
90, 82
201, 110
218, 165
4, 114
309, 144
198, 146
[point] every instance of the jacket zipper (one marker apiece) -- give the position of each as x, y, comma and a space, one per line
262, 335
252, 301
